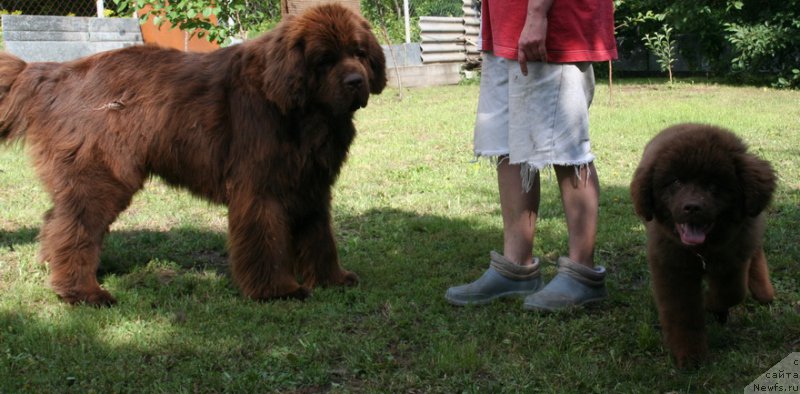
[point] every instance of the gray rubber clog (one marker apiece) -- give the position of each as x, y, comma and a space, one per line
574, 285
493, 285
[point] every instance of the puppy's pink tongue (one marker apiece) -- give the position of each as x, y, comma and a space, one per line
691, 235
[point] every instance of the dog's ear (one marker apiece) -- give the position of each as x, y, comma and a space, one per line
377, 62
757, 181
284, 72
642, 191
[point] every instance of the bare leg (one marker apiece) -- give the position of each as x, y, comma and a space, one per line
514, 274
520, 210
580, 196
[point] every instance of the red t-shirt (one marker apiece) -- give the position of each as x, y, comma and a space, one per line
577, 30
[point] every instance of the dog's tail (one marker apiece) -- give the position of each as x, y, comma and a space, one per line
10, 68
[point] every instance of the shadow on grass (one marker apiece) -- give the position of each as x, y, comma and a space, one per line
392, 247
21, 236
178, 326
124, 250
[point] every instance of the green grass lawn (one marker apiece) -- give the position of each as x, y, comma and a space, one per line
414, 214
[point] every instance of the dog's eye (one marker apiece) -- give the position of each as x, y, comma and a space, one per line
361, 53
672, 183
327, 60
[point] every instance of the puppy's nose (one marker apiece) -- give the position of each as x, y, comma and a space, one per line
354, 81
692, 208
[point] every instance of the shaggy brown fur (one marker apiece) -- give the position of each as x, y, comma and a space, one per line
702, 197
263, 127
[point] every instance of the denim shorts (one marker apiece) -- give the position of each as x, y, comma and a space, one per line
538, 120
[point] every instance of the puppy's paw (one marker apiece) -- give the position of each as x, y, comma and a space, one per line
688, 363
720, 316
687, 359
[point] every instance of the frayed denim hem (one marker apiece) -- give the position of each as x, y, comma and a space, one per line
529, 171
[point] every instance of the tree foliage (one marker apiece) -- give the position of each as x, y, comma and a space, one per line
240, 18
739, 38
218, 21
662, 45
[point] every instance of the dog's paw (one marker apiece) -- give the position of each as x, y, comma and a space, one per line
340, 277
720, 316
97, 297
300, 294
688, 361
348, 278
295, 293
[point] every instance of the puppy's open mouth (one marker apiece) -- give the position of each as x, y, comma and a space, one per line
693, 234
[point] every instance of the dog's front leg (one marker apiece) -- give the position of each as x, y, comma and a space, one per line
725, 290
260, 251
316, 252
678, 291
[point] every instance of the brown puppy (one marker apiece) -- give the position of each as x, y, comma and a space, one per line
702, 197
263, 127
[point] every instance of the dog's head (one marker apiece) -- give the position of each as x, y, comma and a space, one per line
695, 178
326, 57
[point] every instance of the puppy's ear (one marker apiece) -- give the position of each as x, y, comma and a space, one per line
284, 72
377, 62
757, 181
642, 191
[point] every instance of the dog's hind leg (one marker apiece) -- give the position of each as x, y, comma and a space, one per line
85, 202
260, 253
758, 278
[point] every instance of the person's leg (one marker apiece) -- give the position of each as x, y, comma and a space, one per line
516, 272
580, 194
577, 282
520, 210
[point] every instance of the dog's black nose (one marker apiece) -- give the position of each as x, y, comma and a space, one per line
691, 208
354, 81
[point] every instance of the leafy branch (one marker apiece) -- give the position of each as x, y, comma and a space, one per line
216, 21
662, 46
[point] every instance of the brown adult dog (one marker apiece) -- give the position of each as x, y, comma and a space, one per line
263, 127
702, 197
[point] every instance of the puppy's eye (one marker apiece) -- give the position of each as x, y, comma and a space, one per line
361, 53
672, 183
